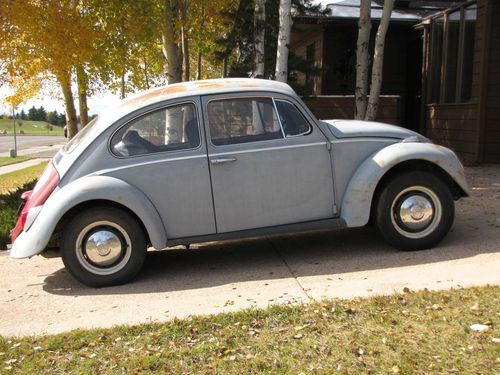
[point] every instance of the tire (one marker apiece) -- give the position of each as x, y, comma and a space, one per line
95, 265
414, 211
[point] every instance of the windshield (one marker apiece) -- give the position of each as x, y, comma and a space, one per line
75, 141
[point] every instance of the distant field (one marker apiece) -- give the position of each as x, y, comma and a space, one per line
29, 128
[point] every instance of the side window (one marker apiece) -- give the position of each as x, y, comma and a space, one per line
168, 129
242, 120
292, 120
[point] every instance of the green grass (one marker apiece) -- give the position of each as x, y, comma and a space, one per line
29, 128
416, 332
13, 180
8, 160
9, 204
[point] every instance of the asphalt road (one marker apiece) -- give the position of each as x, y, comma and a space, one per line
39, 296
34, 143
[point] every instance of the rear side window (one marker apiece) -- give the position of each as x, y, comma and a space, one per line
77, 139
292, 120
168, 129
242, 120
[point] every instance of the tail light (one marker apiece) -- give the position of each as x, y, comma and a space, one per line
36, 197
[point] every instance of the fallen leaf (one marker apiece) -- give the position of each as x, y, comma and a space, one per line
298, 336
475, 307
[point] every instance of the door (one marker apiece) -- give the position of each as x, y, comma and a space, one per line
266, 169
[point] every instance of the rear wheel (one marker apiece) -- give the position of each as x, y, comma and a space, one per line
103, 247
415, 211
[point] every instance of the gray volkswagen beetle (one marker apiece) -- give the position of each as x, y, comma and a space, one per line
224, 159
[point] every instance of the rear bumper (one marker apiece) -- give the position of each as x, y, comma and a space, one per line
27, 244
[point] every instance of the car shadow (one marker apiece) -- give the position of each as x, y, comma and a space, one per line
475, 231
301, 255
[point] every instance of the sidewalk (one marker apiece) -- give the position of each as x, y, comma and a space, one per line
18, 166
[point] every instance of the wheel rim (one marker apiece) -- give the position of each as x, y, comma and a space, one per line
416, 212
103, 248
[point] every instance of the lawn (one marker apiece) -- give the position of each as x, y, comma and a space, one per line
415, 332
13, 180
8, 161
29, 128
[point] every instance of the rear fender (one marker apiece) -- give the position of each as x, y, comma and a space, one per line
82, 190
359, 194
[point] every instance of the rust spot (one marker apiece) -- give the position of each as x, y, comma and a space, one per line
208, 84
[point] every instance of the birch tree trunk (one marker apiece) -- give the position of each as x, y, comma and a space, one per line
185, 54
259, 21
362, 59
81, 81
69, 103
378, 61
185, 42
283, 40
198, 71
169, 46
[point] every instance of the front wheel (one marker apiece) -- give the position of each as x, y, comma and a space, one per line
415, 211
103, 247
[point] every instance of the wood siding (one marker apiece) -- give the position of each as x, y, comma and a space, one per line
454, 126
491, 147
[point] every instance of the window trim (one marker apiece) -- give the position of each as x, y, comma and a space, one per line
461, 8
209, 135
166, 106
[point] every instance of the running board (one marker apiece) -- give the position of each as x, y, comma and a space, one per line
307, 226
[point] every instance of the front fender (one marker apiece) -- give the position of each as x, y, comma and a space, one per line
35, 239
358, 197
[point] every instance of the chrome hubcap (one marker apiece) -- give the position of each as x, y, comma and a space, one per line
416, 212
103, 247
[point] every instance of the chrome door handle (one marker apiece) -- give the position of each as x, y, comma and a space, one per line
222, 160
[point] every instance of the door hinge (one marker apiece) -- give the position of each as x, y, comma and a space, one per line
334, 209
329, 146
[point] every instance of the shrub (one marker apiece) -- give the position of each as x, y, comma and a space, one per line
9, 204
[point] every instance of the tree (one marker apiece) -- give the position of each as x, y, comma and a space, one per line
366, 107
62, 120
259, 37
23, 115
362, 59
170, 40
41, 114
237, 48
32, 28
283, 40
32, 114
378, 61
53, 118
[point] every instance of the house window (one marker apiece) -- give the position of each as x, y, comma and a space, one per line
452, 55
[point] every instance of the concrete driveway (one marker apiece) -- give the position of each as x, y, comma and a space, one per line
38, 296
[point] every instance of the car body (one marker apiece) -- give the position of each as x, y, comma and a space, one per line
224, 159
